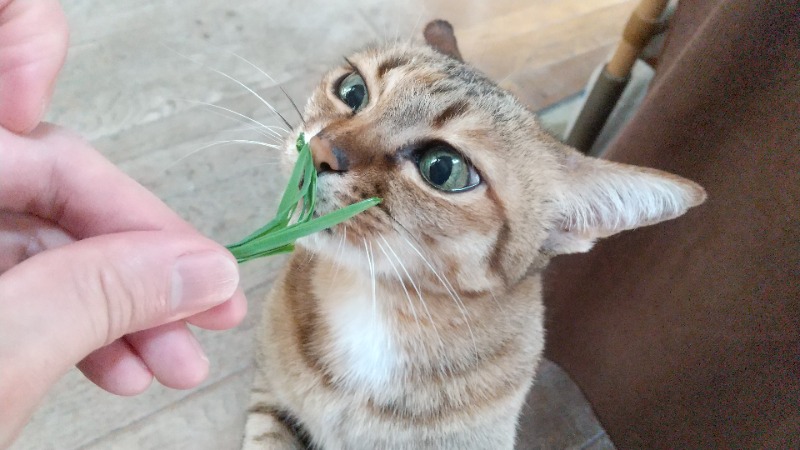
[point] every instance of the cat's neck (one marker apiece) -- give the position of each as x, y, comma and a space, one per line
379, 330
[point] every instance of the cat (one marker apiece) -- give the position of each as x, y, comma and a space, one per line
418, 324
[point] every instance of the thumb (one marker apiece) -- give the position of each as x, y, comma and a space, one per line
69, 301
59, 305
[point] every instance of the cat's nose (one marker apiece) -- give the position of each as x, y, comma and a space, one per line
327, 157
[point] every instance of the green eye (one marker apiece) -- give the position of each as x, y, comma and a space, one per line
445, 169
353, 92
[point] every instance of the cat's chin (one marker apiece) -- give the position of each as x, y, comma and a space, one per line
327, 245
334, 248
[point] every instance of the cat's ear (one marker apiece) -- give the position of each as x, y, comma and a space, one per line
439, 35
602, 198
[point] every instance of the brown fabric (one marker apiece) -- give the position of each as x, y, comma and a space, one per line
685, 334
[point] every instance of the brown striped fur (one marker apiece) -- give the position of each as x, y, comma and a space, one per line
419, 323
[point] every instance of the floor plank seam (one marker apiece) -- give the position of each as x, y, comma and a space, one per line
191, 395
582, 16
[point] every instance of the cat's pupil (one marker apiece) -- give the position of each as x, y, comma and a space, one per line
354, 95
446, 169
353, 91
441, 169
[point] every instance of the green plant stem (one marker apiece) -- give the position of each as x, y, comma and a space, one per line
279, 234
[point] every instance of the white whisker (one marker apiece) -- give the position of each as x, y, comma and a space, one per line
246, 61
419, 294
337, 257
497, 302
238, 131
311, 255
218, 143
248, 141
371, 263
248, 88
405, 290
251, 64
271, 129
416, 25
450, 290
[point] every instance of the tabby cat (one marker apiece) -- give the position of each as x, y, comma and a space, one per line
419, 323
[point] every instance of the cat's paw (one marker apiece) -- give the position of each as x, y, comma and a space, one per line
267, 430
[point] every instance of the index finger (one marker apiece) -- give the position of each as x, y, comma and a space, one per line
33, 45
57, 176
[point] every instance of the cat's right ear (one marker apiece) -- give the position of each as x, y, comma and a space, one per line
439, 35
601, 198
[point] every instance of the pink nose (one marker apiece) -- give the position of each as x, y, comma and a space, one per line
327, 157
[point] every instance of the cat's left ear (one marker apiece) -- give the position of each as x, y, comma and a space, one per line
601, 198
439, 35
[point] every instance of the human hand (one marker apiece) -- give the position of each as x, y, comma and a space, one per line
33, 44
91, 264
96, 271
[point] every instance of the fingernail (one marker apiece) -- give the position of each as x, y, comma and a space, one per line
203, 280
199, 349
42, 110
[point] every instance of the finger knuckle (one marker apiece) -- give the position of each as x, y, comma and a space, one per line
120, 303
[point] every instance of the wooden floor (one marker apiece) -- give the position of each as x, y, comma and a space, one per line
135, 78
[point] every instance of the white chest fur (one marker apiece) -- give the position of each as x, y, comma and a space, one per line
362, 351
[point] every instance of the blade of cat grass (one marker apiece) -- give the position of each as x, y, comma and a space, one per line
291, 196
276, 251
309, 190
278, 235
281, 238
295, 231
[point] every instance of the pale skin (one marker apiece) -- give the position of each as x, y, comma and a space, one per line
95, 271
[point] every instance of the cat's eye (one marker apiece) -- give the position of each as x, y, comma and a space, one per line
352, 91
447, 170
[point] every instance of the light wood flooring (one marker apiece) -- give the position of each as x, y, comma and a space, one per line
135, 78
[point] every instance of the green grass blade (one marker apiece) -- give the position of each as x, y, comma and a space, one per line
276, 251
291, 194
290, 234
279, 234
